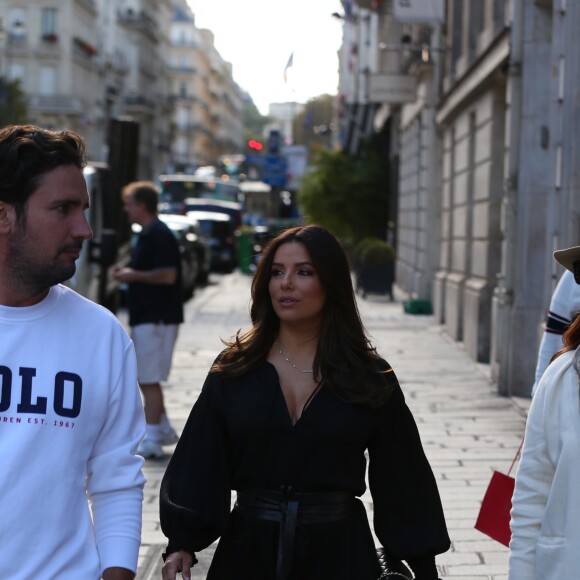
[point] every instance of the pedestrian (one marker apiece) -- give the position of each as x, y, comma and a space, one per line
286, 417
155, 304
563, 309
545, 515
71, 416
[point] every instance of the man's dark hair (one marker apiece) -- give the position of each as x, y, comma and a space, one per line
144, 192
28, 152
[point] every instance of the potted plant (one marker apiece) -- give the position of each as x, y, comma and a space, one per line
375, 267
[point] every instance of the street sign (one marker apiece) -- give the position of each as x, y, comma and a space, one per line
274, 170
392, 88
274, 180
257, 160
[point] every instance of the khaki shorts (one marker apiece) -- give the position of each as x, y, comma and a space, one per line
154, 344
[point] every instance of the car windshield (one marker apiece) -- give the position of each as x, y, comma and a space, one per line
215, 229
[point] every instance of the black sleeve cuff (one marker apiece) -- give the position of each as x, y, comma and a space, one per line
423, 568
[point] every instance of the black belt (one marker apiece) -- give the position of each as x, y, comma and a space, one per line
290, 509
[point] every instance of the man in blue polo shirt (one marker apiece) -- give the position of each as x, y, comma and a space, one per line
155, 304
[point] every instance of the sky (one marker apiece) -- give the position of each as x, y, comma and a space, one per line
259, 36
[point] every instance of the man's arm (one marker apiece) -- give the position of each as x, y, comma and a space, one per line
115, 479
164, 276
564, 305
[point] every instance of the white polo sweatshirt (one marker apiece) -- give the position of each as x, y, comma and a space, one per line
71, 418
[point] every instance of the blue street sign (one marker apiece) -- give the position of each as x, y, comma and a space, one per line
274, 170
274, 180
255, 160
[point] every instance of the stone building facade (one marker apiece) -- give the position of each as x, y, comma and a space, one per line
82, 63
485, 153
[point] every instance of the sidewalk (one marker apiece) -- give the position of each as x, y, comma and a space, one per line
466, 428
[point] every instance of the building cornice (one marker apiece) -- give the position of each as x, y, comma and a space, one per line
482, 68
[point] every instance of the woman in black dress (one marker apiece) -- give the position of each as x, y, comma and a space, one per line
288, 415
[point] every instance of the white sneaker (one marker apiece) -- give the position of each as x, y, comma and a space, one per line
149, 449
168, 437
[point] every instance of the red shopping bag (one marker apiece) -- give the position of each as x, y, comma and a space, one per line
494, 515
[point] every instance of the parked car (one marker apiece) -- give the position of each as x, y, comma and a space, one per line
197, 239
221, 233
189, 263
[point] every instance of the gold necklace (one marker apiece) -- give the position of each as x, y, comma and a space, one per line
283, 355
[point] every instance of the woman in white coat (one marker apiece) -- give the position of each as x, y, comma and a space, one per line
545, 516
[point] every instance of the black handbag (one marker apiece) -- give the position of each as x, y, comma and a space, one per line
392, 569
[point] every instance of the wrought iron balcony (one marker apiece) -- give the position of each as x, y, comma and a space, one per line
55, 104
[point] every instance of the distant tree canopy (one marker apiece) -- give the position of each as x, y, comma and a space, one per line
349, 195
313, 126
12, 103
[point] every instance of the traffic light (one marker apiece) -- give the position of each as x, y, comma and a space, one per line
274, 142
255, 145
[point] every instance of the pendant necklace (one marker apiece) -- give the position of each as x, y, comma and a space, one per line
283, 355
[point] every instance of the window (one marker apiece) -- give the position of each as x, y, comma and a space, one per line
17, 72
17, 23
182, 117
47, 81
49, 22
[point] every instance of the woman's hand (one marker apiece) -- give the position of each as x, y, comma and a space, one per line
180, 561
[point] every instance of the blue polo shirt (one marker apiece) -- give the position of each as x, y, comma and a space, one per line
156, 248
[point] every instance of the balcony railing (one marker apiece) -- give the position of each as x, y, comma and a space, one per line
50, 37
140, 20
84, 47
55, 104
184, 97
137, 101
188, 127
184, 68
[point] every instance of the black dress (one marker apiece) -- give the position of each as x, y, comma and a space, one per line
240, 435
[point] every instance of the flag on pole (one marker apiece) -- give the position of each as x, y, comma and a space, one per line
289, 65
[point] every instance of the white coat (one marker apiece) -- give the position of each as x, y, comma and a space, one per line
545, 516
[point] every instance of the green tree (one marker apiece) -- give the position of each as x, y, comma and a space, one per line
313, 127
12, 103
349, 195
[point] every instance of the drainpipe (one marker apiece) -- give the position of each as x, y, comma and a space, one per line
509, 202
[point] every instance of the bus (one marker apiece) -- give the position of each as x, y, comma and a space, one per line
176, 188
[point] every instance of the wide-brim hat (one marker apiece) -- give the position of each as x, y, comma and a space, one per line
567, 257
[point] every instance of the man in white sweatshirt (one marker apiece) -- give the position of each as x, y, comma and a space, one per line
71, 416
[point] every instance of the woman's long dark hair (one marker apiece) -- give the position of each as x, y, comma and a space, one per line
570, 338
345, 358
